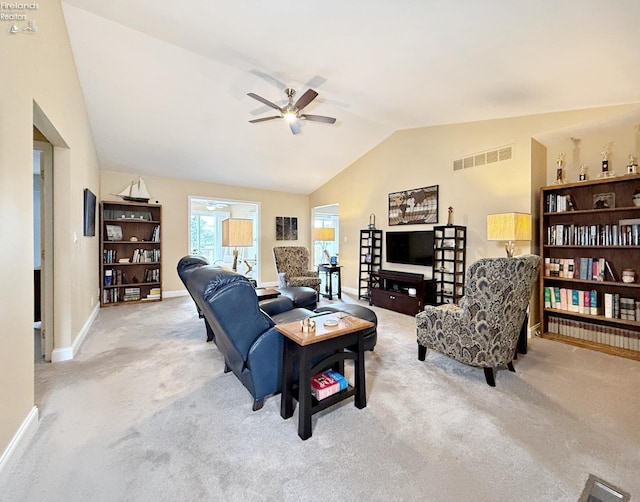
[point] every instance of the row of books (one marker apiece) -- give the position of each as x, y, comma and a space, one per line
585, 268
572, 300
619, 307
154, 294
625, 233
113, 277
131, 294
152, 275
109, 256
612, 305
556, 203
327, 383
155, 235
116, 295
608, 335
145, 255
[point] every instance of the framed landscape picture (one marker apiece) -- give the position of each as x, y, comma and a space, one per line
411, 207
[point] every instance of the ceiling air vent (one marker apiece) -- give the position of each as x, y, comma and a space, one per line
484, 158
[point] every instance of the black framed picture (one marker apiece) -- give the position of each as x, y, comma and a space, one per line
411, 207
286, 228
89, 213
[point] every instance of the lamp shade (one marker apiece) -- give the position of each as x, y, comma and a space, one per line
509, 227
324, 234
237, 232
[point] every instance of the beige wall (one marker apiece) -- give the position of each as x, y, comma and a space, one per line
423, 157
174, 194
40, 68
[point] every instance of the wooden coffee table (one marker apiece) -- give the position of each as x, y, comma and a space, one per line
305, 348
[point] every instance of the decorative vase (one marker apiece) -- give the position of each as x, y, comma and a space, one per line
636, 198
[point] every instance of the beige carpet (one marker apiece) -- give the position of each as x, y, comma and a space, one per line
145, 412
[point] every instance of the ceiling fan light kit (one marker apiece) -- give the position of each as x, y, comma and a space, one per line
292, 111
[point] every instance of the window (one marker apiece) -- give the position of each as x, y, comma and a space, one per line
326, 217
205, 233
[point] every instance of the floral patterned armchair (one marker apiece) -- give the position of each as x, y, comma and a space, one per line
292, 266
483, 329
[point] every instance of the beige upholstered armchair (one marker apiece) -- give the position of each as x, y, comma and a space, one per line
293, 268
483, 329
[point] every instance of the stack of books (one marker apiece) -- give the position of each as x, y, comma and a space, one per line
131, 294
154, 294
327, 383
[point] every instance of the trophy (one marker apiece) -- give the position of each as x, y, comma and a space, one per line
559, 168
605, 164
583, 173
632, 166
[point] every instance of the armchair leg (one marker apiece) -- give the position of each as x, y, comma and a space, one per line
226, 367
422, 352
510, 366
258, 404
489, 374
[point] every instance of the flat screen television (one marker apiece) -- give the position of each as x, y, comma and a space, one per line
411, 248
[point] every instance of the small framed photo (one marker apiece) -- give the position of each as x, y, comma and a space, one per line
604, 200
114, 233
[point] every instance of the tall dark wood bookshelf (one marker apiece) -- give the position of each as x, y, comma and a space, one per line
130, 258
589, 234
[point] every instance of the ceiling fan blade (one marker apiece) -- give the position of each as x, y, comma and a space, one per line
318, 118
295, 127
305, 99
263, 100
254, 121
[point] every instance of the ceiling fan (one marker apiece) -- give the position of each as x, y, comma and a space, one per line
292, 111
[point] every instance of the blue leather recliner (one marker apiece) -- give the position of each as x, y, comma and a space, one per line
244, 334
245, 330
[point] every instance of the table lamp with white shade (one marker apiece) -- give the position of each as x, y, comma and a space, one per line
324, 235
509, 227
237, 232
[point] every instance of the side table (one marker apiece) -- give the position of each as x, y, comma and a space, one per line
305, 348
329, 270
266, 293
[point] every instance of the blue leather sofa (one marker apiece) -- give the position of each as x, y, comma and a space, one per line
245, 330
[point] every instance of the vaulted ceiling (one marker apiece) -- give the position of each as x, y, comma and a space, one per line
166, 82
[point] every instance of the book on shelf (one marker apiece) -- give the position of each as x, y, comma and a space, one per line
593, 303
625, 233
131, 294
108, 277
323, 386
583, 268
342, 380
608, 335
557, 203
576, 300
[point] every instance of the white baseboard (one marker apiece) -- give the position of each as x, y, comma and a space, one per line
20, 440
533, 330
174, 294
351, 291
67, 353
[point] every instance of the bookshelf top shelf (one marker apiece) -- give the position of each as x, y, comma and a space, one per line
598, 181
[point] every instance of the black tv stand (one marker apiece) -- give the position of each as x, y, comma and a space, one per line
390, 289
